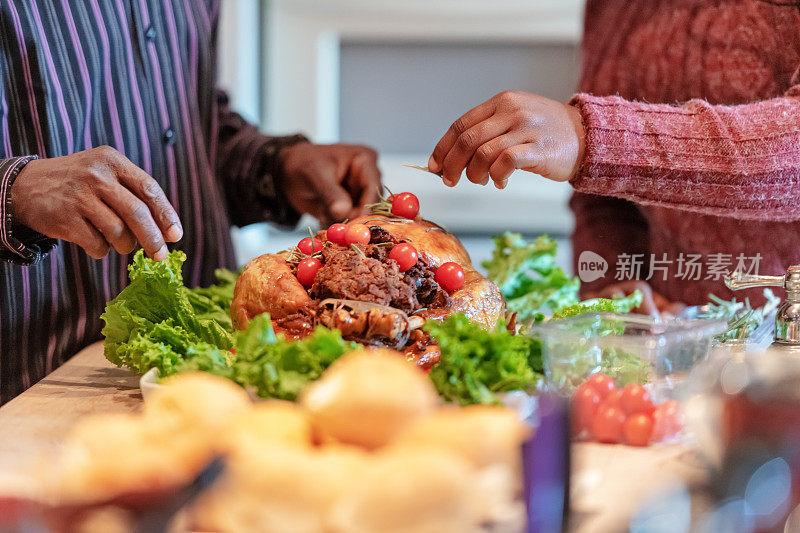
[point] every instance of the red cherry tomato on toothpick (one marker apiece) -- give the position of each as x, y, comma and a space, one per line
405, 205
636, 399
603, 384
585, 401
307, 270
357, 234
337, 234
607, 425
450, 276
638, 429
309, 246
405, 255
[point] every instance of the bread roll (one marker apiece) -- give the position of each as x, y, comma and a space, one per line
194, 401
367, 397
409, 491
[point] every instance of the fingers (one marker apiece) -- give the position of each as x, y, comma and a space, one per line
88, 238
486, 155
336, 203
467, 121
137, 217
467, 144
152, 195
521, 156
113, 229
648, 306
364, 181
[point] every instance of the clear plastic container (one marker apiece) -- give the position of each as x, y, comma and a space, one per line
629, 348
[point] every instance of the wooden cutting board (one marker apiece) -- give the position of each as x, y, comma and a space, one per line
33, 423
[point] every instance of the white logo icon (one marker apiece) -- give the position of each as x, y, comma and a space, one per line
591, 266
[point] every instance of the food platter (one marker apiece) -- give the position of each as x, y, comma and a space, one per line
276, 344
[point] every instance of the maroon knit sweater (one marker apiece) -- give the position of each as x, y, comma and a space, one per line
698, 150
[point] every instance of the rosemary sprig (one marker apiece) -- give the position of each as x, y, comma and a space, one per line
384, 206
742, 318
358, 250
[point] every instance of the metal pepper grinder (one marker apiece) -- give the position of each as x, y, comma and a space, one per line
787, 316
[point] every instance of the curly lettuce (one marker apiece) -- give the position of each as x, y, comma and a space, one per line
624, 304
477, 363
157, 322
529, 278
278, 368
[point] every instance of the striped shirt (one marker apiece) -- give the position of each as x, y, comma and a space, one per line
137, 75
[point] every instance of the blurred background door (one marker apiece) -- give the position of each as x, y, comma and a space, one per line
394, 75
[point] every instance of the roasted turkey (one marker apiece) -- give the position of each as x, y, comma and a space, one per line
363, 294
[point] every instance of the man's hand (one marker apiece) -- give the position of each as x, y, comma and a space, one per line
513, 130
97, 199
330, 182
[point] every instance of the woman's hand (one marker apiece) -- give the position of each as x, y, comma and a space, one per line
653, 303
513, 130
330, 182
97, 199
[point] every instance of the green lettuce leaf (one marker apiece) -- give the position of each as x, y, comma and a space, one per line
155, 320
278, 368
528, 276
602, 305
477, 363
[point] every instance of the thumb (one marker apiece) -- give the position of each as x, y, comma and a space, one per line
337, 203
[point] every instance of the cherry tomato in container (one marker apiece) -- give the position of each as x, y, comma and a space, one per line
337, 234
307, 270
309, 246
603, 384
405, 255
585, 401
612, 400
636, 399
405, 205
667, 420
638, 429
450, 276
607, 425
357, 234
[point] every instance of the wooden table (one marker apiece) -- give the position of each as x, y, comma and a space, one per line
609, 482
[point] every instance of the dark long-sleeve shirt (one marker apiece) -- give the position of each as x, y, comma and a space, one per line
137, 75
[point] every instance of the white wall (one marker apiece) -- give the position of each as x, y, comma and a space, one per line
239, 56
280, 62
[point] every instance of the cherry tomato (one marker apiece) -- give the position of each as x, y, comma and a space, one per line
450, 276
603, 384
337, 234
612, 400
636, 399
607, 424
405, 205
585, 401
405, 255
667, 420
309, 246
307, 270
638, 429
357, 234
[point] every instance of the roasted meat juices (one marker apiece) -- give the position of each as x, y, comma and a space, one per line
360, 290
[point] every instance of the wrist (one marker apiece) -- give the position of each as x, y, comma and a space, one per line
576, 119
282, 147
14, 211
